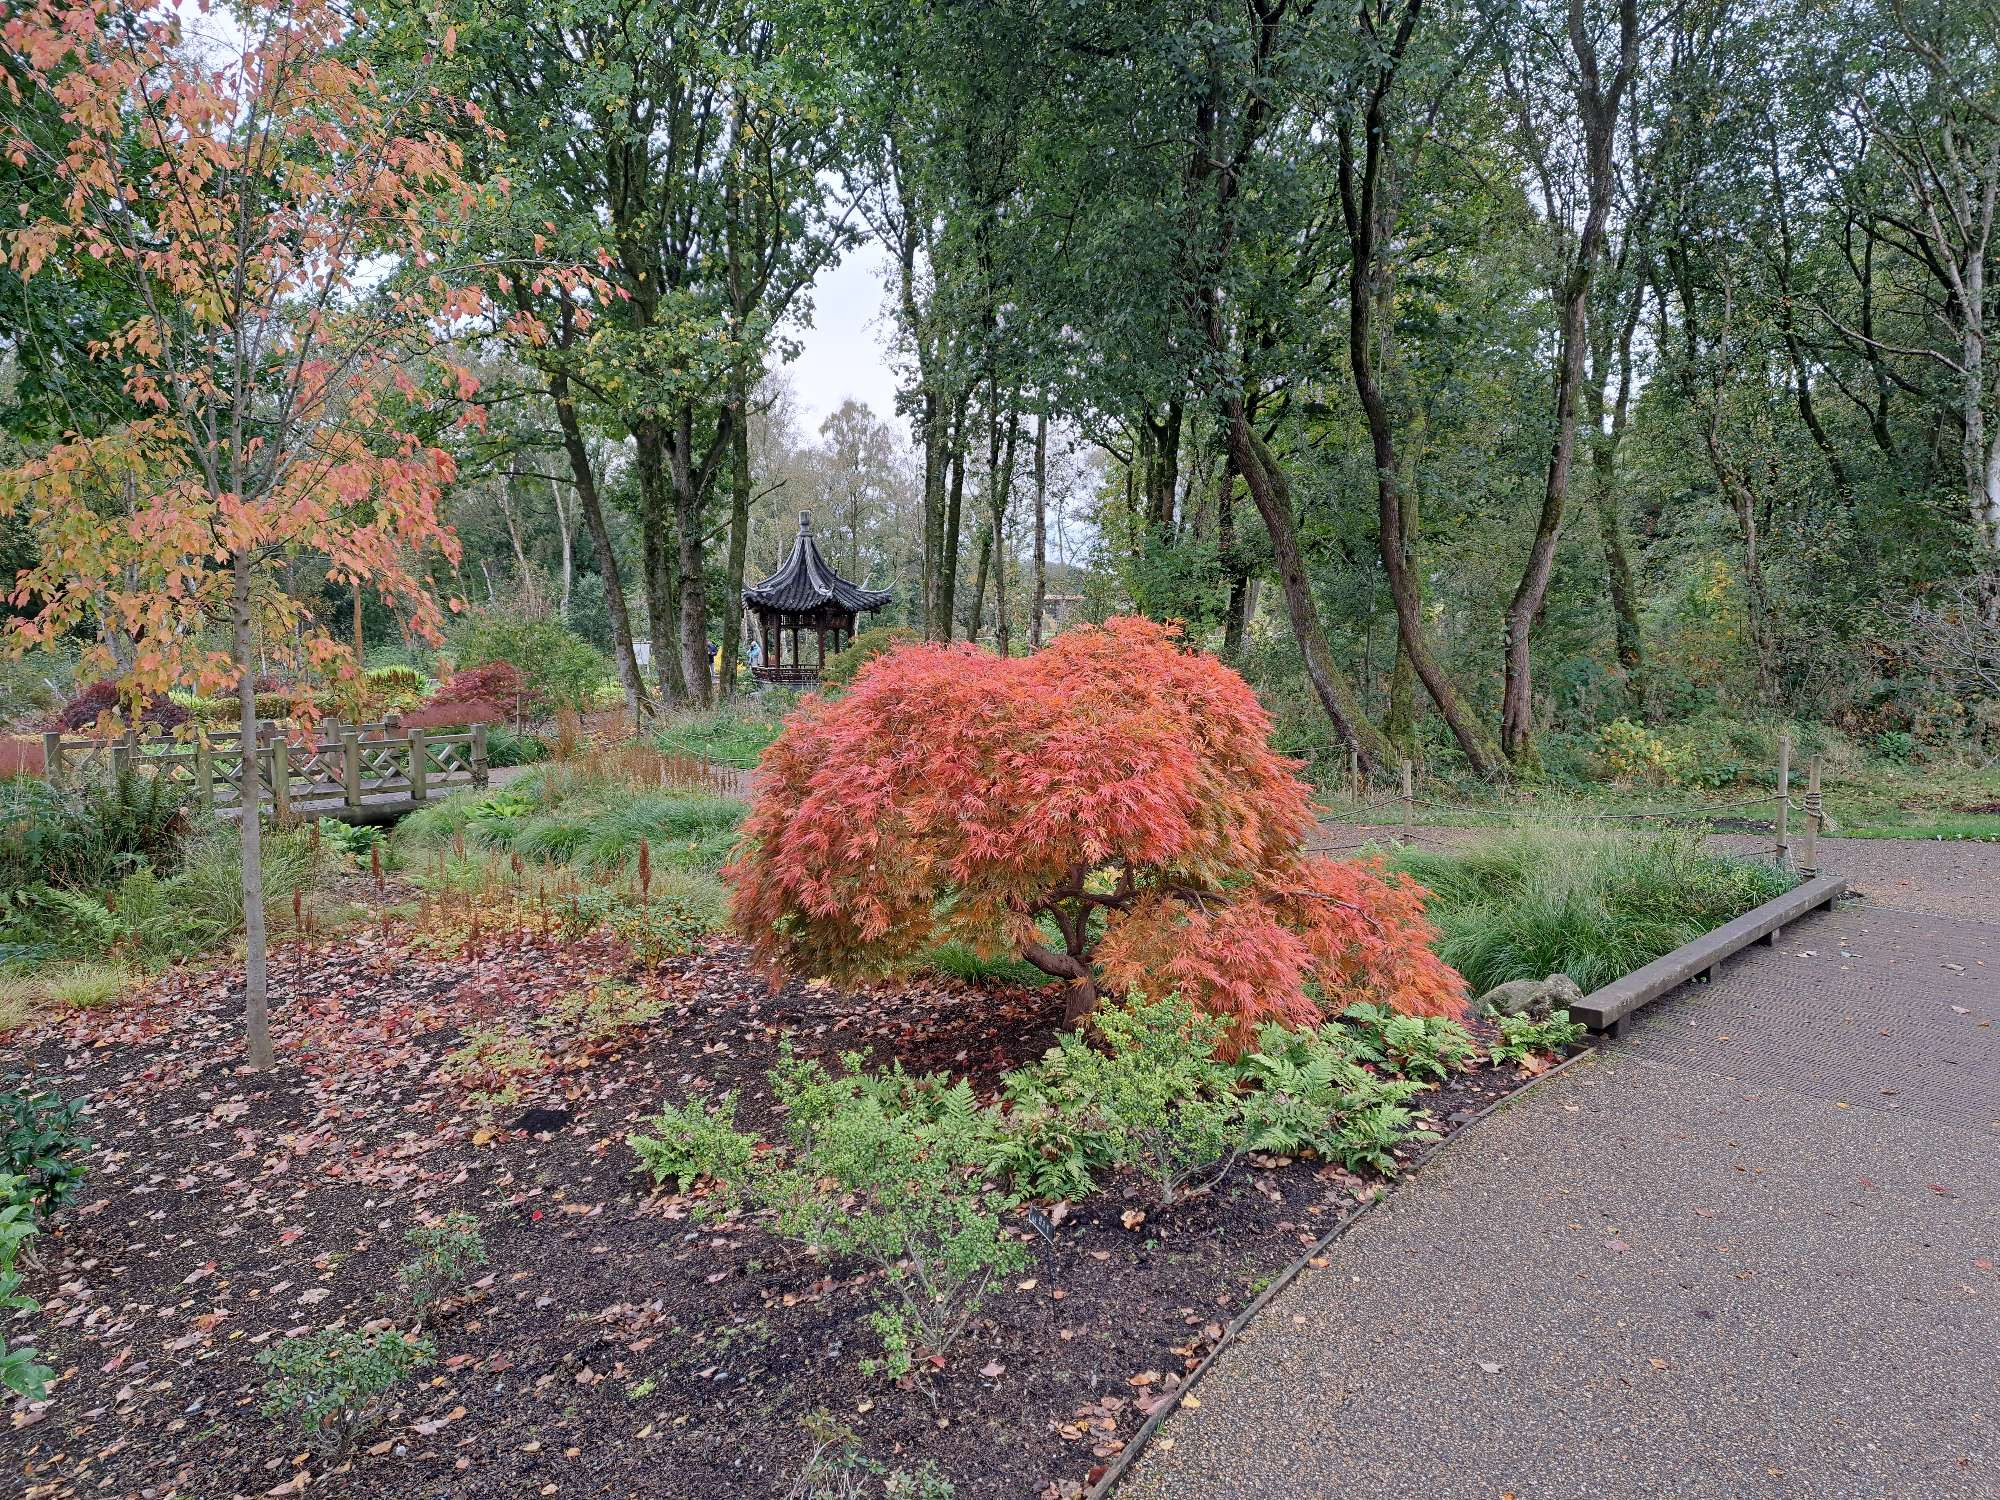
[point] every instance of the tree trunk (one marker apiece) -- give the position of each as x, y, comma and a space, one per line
690, 491
256, 1001
999, 488
656, 530
1597, 111
1268, 488
1041, 530
977, 617
1229, 547
933, 588
1629, 639
739, 533
1395, 532
637, 699
953, 517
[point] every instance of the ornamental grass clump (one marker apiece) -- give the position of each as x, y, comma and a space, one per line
1108, 809
1590, 902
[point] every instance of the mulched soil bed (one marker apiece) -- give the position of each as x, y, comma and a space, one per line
617, 1346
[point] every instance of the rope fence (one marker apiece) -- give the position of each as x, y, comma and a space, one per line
1802, 857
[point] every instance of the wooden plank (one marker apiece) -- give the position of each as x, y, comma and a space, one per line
1606, 1009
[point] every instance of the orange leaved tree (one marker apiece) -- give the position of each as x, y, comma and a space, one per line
1108, 808
278, 226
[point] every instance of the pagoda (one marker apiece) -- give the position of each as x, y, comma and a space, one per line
813, 605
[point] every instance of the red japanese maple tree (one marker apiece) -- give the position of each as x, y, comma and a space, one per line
1113, 787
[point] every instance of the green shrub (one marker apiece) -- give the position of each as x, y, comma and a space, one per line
1307, 1091
693, 1141
889, 1168
1153, 1098
1522, 1037
449, 1250
41, 1149
1420, 1047
506, 746
330, 1382
865, 647
83, 838
559, 668
20, 1371
1593, 903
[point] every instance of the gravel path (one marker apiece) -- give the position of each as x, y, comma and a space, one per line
1747, 1252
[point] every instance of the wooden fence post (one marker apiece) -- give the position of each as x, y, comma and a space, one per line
419, 769
204, 771
279, 749
479, 756
122, 755
1354, 772
1409, 797
1783, 853
350, 766
1809, 855
52, 766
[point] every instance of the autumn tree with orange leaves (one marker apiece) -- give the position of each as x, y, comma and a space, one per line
285, 226
1108, 808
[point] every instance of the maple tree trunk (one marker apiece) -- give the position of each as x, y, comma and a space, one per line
256, 1003
1080, 999
1266, 482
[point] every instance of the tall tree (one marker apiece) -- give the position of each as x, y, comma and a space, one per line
1577, 181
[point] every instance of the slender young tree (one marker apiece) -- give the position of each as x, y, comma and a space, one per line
283, 226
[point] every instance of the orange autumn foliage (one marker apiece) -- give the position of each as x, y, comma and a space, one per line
1114, 786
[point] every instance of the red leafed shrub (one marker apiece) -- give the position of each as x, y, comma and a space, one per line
87, 707
439, 713
496, 687
953, 794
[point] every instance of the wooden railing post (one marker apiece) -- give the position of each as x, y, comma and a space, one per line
419, 769
350, 766
204, 771
1409, 797
279, 749
1783, 853
479, 756
1809, 853
52, 753
122, 755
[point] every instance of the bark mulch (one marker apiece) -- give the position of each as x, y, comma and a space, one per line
614, 1345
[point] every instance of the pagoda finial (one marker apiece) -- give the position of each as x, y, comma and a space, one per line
805, 523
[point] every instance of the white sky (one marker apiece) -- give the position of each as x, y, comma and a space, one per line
846, 350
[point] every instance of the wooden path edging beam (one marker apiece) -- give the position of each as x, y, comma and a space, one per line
1609, 1008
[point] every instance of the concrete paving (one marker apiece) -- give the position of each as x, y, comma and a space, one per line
1747, 1252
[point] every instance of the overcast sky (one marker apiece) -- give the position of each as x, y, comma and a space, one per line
846, 351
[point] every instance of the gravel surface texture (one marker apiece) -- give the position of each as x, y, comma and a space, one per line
1747, 1252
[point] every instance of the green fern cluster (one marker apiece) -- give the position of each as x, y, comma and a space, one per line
685, 1144
1420, 1047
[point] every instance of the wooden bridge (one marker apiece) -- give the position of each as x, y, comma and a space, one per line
358, 773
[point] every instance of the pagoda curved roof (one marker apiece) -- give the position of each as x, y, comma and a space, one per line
805, 582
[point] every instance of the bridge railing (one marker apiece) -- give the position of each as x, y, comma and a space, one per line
337, 767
